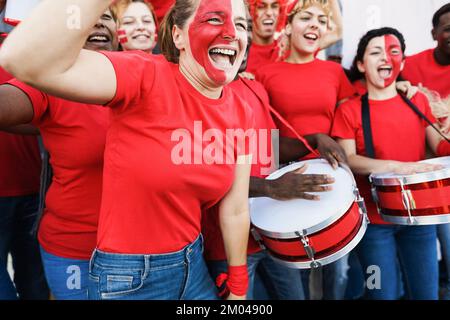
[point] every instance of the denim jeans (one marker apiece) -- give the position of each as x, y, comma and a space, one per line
180, 275
7, 289
67, 278
334, 280
280, 282
444, 239
17, 217
415, 249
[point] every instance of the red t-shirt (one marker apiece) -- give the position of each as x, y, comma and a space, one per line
443, 149
20, 161
261, 55
398, 134
161, 7
305, 95
257, 98
74, 135
152, 200
423, 68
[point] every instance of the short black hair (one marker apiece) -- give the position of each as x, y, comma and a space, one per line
354, 73
437, 16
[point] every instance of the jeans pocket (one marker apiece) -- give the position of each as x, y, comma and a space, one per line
118, 283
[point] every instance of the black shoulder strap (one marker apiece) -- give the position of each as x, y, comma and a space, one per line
422, 116
367, 127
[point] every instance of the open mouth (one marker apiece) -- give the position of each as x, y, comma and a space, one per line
99, 38
385, 72
311, 36
141, 37
268, 22
223, 57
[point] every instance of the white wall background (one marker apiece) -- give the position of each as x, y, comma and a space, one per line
410, 17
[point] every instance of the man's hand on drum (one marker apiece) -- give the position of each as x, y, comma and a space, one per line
330, 150
296, 184
407, 168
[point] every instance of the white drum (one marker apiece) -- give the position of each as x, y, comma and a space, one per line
306, 234
18, 10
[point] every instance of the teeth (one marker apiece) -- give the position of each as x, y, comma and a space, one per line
270, 21
311, 36
227, 52
98, 38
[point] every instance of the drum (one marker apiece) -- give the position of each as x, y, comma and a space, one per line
418, 199
305, 234
17, 10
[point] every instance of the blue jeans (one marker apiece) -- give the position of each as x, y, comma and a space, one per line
17, 217
180, 275
444, 239
280, 282
414, 247
67, 278
335, 278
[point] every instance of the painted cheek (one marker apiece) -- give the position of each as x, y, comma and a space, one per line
203, 35
122, 36
394, 60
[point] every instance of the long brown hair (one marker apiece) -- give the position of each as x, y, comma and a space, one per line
178, 15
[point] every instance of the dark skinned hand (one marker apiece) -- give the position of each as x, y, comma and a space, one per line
296, 184
330, 150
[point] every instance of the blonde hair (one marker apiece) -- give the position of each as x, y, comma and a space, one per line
120, 6
304, 4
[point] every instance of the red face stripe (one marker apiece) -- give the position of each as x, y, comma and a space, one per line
122, 36
212, 25
393, 44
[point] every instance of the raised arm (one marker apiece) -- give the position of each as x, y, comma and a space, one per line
45, 51
335, 30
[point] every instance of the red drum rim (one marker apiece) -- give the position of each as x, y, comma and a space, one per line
327, 255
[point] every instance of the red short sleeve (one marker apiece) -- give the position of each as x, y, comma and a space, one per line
135, 75
421, 101
38, 99
346, 89
443, 149
345, 122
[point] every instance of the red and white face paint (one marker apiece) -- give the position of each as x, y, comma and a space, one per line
218, 38
383, 61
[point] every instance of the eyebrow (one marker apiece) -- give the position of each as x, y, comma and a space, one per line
311, 14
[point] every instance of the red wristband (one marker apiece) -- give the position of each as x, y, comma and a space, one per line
236, 281
443, 149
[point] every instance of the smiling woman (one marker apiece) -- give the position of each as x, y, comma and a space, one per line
149, 244
137, 25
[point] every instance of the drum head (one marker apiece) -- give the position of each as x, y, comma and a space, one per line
392, 179
282, 219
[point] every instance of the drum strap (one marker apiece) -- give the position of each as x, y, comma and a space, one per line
423, 116
367, 128
282, 120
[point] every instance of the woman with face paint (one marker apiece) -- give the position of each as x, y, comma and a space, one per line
270, 17
306, 91
74, 134
158, 173
399, 137
137, 25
